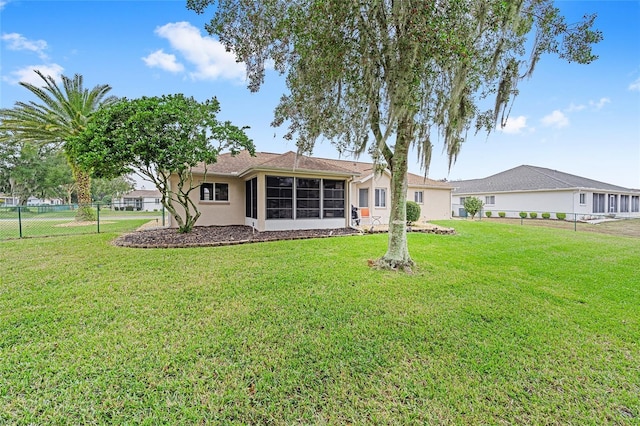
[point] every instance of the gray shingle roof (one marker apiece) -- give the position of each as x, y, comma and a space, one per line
530, 178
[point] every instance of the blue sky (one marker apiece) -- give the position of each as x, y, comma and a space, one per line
578, 119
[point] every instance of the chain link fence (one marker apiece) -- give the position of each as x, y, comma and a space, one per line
558, 219
50, 220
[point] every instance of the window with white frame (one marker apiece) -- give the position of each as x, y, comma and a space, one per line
624, 204
598, 203
381, 197
583, 198
214, 191
418, 197
490, 199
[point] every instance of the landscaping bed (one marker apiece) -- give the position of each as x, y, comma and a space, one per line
207, 236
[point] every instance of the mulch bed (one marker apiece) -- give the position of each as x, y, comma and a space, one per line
208, 236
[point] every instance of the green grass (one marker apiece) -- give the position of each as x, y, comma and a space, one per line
10, 229
501, 324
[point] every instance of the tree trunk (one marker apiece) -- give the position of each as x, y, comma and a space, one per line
397, 256
83, 188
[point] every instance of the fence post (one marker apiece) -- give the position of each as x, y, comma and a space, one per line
575, 222
98, 216
20, 220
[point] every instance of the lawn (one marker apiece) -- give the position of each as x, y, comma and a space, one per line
500, 324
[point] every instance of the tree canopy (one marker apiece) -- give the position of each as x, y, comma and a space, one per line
158, 137
59, 115
364, 73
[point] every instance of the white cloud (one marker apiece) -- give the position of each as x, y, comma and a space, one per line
3, 4
635, 86
573, 107
514, 125
600, 104
208, 55
164, 61
555, 119
17, 41
27, 74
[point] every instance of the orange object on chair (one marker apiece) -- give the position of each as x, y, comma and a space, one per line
364, 212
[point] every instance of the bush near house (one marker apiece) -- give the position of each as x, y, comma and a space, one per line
413, 212
487, 214
522, 215
546, 215
502, 214
561, 216
533, 215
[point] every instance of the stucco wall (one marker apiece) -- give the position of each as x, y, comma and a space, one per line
217, 212
436, 203
561, 201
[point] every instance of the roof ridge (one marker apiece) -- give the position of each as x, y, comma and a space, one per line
539, 170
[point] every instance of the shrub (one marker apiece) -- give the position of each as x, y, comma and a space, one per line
546, 215
487, 214
502, 214
533, 215
413, 211
472, 205
561, 216
523, 215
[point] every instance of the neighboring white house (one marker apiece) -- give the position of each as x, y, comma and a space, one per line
8, 200
35, 201
538, 189
139, 200
290, 191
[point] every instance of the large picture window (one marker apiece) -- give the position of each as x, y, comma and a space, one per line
214, 192
635, 203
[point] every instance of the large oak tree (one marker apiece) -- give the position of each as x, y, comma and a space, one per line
387, 75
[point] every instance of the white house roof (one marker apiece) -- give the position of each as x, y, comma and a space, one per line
531, 178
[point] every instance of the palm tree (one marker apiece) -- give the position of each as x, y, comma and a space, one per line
62, 114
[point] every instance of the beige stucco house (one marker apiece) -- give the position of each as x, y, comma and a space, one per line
291, 191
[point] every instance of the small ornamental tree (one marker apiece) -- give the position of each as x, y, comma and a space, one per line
159, 137
473, 205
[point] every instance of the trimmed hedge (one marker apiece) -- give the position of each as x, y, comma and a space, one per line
522, 215
561, 216
413, 211
487, 214
533, 215
502, 214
